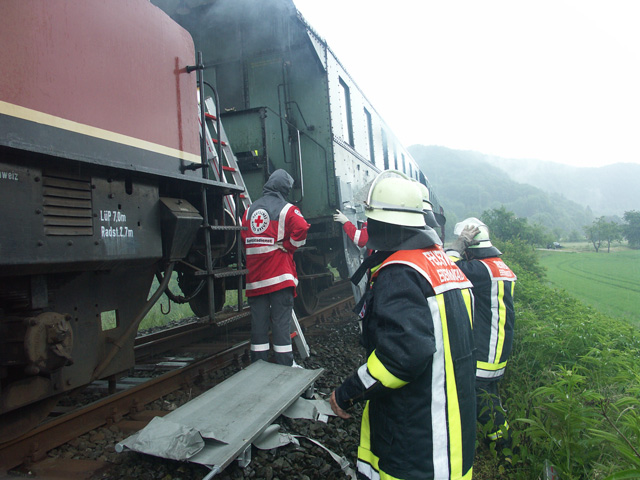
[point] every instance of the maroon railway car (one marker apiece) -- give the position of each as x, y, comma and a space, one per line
99, 189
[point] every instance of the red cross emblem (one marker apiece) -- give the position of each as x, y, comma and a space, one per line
259, 221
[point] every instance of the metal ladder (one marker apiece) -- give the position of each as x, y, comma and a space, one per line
220, 169
228, 163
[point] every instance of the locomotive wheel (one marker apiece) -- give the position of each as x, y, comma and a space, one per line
23, 420
307, 299
200, 303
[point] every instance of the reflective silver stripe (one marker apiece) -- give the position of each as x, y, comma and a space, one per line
282, 348
356, 237
367, 470
261, 347
495, 324
439, 427
282, 220
258, 250
297, 243
365, 377
495, 318
489, 373
272, 281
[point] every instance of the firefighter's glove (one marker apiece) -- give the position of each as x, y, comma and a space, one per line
340, 217
466, 239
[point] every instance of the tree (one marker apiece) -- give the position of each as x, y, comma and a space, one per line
631, 229
602, 230
505, 226
611, 232
592, 233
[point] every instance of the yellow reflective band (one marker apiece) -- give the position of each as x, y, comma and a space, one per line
365, 429
492, 367
453, 407
498, 434
502, 312
466, 294
380, 373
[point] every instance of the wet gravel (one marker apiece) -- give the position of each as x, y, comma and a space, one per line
336, 349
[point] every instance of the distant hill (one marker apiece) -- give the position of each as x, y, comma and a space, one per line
468, 183
609, 190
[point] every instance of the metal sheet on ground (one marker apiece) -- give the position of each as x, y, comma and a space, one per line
237, 410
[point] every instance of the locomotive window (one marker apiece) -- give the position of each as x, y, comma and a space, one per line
404, 164
347, 126
109, 320
395, 160
367, 115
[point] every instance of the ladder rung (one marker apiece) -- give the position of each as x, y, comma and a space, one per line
212, 117
229, 169
222, 273
223, 143
227, 228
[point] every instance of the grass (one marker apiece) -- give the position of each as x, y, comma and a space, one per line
609, 282
157, 316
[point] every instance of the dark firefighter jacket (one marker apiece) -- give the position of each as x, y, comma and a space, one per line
420, 418
493, 315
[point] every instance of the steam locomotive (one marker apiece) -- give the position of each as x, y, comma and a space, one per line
289, 103
105, 178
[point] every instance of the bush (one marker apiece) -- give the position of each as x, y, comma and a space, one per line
572, 387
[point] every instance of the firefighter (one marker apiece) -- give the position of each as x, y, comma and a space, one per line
359, 236
275, 229
493, 321
418, 379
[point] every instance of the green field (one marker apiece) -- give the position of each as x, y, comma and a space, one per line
610, 282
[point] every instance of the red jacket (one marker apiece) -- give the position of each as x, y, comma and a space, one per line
272, 223
359, 237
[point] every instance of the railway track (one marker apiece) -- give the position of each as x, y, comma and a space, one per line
166, 361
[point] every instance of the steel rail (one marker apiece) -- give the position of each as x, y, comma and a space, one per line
34, 445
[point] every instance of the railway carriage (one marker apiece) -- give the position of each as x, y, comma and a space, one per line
289, 103
99, 186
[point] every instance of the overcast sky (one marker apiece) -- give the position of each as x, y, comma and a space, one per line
555, 80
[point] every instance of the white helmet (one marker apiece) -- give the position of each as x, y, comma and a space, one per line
482, 237
426, 197
427, 206
394, 198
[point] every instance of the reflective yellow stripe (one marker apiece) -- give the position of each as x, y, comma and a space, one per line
492, 367
498, 433
365, 429
375, 269
502, 312
453, 407
364, 450
466, 294
380, 373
